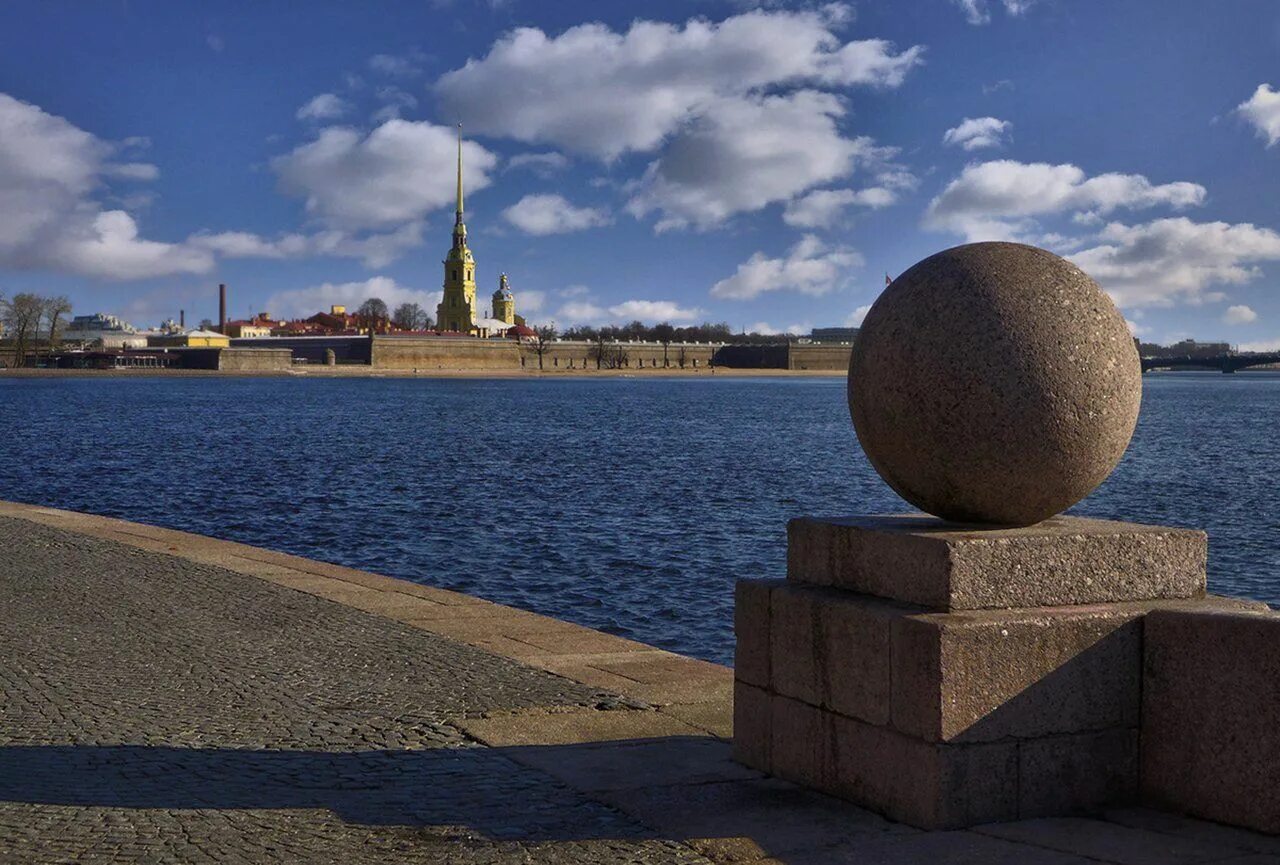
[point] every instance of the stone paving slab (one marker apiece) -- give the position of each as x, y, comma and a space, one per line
171, 698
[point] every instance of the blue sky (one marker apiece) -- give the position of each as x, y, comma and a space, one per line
704, 160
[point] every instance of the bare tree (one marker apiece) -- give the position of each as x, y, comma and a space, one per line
21, 316
608, 355
543, 336
56, 309
682, 356
411, 316
664, 333
373, 313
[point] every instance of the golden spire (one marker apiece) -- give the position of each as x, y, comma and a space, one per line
459, 217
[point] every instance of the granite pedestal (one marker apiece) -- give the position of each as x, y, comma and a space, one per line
949, 676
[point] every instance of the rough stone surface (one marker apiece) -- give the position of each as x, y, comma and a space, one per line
751, 626
1077, 773
994, 383
1211, 700
986, 676
1063, 560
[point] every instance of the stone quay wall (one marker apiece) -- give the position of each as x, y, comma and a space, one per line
818, 356
255, 360
443, 352
580, 354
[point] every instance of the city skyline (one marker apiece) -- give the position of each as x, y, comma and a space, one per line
665, 161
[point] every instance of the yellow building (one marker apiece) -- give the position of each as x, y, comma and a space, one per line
457, 309
504, 302
190, 339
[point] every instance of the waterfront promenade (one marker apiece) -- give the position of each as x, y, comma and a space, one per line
171, 698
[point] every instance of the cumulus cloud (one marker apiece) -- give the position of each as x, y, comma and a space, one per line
823, 207
651, 311
302, 302
809, 267
766, 329
395, 174
52, 175
552, 214
1239, 314
977, 11
975, 133
326, 106
606, 93
393, 100
398, 65
1262, 110
1169, 260
541, 164
745, 154
995, 200
856, 317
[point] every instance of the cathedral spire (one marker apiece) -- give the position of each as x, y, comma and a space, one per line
458, 221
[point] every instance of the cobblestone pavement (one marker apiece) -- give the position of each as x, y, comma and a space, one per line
157, 710
167, 698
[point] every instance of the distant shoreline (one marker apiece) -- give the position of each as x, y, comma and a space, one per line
373, 372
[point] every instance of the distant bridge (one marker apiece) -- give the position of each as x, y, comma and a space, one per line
1223, 362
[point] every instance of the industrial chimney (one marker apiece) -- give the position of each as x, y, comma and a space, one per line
182, 319
222, 307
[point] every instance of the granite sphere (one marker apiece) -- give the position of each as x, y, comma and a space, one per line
994, 383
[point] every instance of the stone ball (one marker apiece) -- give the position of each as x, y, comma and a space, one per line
994, 383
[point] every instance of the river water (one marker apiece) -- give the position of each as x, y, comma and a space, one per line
628, 505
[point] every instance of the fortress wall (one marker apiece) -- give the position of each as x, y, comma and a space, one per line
646, 355
437, 352
255, 359
818, 356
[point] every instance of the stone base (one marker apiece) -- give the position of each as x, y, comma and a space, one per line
940, 715
1065, 560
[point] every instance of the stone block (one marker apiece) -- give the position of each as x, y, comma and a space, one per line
990, 675
752, 726
853, 654
1211, 699
751, 628
800, 743
793, 659
1079, 773
924, 784
1064, 560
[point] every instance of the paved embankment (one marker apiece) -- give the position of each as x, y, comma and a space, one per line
171, 698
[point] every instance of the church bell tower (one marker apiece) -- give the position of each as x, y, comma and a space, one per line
457, 309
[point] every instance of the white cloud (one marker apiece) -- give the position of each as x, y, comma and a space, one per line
51, 174
552, 214
398, 65
856, 317
326, 106
765, 329
823, 207
394, 100
994, 200
397, 173
1168, 260
975, 133
653, 311
304, 302
244, 244
541, 164
1239, 314
745, 154
606, 93
810, 267
1262, 109
976, 11
1264, 345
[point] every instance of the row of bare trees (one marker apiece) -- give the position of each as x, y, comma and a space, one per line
26, 319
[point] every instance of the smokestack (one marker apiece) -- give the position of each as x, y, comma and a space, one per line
222, 307
182, 319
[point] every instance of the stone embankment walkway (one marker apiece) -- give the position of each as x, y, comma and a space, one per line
170, 698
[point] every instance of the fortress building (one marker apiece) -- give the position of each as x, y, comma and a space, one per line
458, 311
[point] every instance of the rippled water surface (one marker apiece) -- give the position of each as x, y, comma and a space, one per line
629, 505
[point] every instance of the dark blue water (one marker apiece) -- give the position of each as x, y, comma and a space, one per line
629, 505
